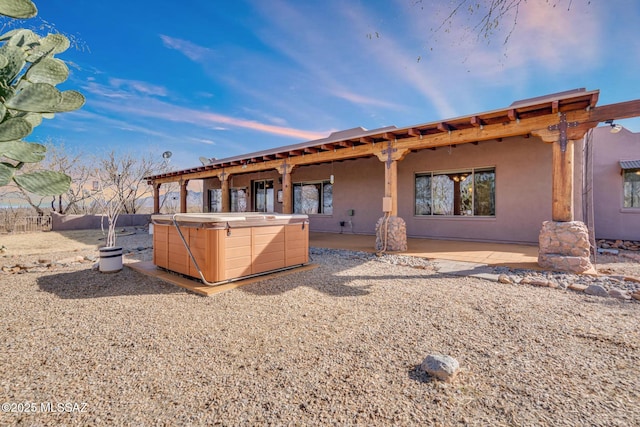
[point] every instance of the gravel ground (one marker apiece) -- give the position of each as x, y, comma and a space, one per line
340, 344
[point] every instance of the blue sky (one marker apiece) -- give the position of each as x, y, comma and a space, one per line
221, 78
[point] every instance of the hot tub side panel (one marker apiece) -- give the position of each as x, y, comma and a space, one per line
229, 254
296, 244
237, 255
267, 248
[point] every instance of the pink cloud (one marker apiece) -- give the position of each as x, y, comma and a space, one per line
157, 109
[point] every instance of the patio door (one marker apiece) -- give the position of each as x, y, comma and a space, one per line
263, 196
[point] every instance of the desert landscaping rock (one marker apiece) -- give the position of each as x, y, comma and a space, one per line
336, 345
619, 294
596, 290
442, 367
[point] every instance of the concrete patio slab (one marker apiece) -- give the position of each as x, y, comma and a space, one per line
493, 254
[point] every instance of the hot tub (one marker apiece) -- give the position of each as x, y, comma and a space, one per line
220, 247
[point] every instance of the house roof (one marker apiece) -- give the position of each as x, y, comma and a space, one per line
577, 99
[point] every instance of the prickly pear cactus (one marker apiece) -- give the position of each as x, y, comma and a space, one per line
29, 73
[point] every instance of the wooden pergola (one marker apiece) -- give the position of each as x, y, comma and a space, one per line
558, 119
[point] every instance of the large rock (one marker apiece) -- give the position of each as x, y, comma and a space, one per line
440, 366
564, 246
395, 230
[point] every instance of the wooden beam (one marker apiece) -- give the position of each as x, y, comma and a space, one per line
555, 107
621, 110
389, 136
562, 182
537, 126
513, 115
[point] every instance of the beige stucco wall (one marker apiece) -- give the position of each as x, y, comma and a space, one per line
612, 221
523, 190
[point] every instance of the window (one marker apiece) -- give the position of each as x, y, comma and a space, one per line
459, 193
215, 200
238, 200
263, 195
313, 198
631, 188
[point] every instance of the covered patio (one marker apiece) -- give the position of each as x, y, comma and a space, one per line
382, 194
494, 254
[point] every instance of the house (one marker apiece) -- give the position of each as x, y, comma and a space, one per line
615, 183
495, 176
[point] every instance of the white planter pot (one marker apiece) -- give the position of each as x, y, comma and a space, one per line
110, 259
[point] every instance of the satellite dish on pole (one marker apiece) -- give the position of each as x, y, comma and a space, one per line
166, 155
204, 161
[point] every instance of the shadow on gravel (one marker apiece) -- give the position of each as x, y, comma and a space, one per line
329, 283
83, 284
417, 374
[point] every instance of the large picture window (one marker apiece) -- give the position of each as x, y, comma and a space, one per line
468, 192
313, 198
631, 188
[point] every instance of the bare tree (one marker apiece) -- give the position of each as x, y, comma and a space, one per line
125, 173
59, 159
74, 164
484, 18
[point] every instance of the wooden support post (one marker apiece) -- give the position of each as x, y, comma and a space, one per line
390, 156
562, 137
224, 190
156, 198
287, 188
562, 182
391, 186
183, 195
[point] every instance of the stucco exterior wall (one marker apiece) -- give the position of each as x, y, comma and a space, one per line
358, 186
88, 222
611, 219
523, 191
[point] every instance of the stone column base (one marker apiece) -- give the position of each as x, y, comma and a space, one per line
564, 246
396, 234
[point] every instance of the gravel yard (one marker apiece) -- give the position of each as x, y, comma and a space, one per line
340, 344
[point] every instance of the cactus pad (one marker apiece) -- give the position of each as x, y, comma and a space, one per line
23, 152
15, 128
20, 9
44, 183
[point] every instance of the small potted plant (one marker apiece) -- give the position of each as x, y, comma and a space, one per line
110, 204
110, 254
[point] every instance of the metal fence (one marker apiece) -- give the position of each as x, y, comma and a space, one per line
25, 224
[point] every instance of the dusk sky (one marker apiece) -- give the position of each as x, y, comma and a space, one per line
219, 78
